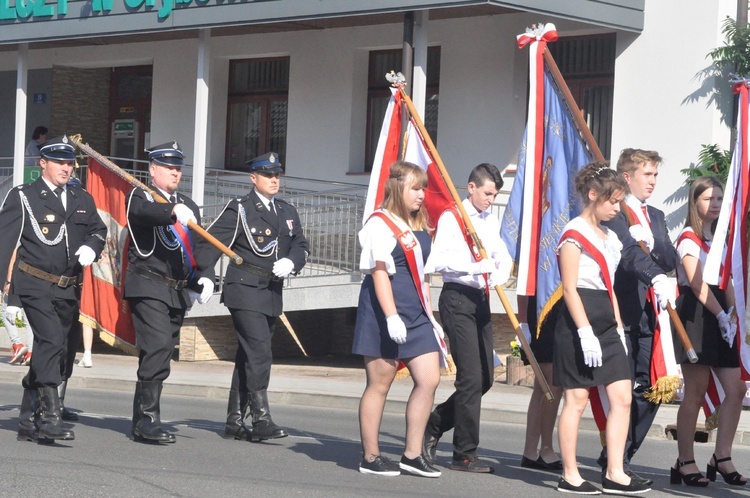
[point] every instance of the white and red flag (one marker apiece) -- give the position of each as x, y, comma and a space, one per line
102, 305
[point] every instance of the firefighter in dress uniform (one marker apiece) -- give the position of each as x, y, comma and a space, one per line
57, 231
161, 282
266, 232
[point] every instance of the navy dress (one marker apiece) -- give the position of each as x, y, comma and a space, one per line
371, 332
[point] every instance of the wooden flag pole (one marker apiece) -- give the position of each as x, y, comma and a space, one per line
470, 227
76, 139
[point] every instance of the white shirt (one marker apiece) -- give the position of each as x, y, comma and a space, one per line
267, 202
689, 247
589, 272
63, 196
452, 257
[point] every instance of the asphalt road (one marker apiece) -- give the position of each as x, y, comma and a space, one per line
319, 458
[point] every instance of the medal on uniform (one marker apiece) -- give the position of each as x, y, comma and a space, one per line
50, 218
260, 240
252, 230
408, 240
268, 231
45, 230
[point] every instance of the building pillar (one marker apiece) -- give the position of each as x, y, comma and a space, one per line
419, 73
200, 149
19, 142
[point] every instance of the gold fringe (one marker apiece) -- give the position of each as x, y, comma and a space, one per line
553, 299
664, 389
108, 337
712, 422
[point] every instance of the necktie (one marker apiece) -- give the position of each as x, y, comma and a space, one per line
59, 193
173, 199
645, 213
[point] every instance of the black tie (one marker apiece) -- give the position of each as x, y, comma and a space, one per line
173, 199
59, 193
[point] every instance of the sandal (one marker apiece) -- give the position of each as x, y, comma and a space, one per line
731, 478
695, 479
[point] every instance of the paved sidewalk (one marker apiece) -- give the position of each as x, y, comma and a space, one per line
320, 382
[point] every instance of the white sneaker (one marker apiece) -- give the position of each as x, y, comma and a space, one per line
86, 360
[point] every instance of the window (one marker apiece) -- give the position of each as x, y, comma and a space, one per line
257, 109
588, 65
378, 93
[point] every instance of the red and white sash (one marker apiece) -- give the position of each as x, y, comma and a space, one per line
413, 253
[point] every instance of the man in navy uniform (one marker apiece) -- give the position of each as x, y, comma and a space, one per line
58, 232
637, 272
266, 232
161, 282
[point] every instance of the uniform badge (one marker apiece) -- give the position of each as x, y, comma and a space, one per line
260, 240
268, 231
49, 218
290, 224
252, 230
45, 230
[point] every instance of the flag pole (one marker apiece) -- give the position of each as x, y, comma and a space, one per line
470, 227
76, 139
594, 147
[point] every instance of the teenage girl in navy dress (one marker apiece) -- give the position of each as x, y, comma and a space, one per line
393, 324
589, 349
705, 310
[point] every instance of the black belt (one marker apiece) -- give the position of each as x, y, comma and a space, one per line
61, 280
465, 289
256, 270
177, 285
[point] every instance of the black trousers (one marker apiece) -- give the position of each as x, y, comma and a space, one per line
54, 324
465, 313
642, 411
252, 363
157, 331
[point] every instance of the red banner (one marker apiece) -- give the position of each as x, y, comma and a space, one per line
102, 305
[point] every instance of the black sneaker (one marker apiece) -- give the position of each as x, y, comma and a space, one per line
418, 466
381, 466
472, 464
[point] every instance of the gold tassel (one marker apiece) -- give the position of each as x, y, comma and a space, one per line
664, 389
712, 422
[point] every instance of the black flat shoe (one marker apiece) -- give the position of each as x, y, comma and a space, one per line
636, 478
585, 488
731, 478
615, 488
540, 464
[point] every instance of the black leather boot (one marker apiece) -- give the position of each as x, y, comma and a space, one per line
50, 421
67, 415
263, 426
136, 410
148, 427
27, 429
235, 427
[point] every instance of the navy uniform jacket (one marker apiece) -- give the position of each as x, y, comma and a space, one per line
148, 226
273, 240
637, 269
44, 221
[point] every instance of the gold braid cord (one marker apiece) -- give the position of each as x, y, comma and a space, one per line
664, 389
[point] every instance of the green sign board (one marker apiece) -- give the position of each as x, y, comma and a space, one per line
31, 173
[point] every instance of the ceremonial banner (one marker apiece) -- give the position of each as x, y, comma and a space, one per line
554, 203
437, 195
102, 305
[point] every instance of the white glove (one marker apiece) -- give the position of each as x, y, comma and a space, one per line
664, 291
208, 290
499, 276
184, 214
621, 333
484, 266
193, 296
640, 234
526, 332
86, 255
592, 350
727, 326
283, 267
396, 328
